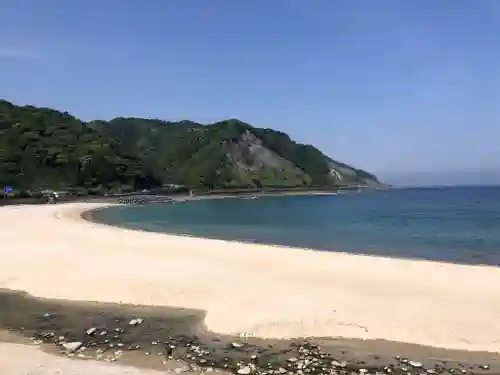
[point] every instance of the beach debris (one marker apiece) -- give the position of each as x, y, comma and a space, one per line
72, 346
245, 370
336, 364
135, 321
415, 364
169, 350
239, 357
47, 315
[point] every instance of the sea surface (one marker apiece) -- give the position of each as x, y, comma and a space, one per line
459, 225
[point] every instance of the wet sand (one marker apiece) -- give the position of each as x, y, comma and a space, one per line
168, 338
370, 312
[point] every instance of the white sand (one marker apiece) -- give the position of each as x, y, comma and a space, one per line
28, 360
261, 290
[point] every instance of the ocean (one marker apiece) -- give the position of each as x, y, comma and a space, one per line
456, 224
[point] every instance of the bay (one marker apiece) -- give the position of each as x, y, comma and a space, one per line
455, 224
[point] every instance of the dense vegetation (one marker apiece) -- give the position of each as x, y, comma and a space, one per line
41, 147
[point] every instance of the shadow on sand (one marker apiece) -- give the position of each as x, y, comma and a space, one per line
170, 332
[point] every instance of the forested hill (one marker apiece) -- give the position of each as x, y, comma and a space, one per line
42, 147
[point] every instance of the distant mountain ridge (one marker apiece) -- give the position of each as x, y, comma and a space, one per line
44, 147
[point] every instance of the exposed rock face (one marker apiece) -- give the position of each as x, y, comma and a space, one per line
135, 153
249, 156
335, 175
230, 153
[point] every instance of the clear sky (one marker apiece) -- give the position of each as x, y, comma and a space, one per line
400, 88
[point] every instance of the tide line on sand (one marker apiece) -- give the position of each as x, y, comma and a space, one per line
248, 289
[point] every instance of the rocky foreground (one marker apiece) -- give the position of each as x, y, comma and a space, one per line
190, 355
175, 340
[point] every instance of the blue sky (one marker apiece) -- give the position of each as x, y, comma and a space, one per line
400, 88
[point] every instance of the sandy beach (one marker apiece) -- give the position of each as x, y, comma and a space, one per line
250, 290
40, 363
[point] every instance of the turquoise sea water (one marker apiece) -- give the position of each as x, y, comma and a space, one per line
459, 225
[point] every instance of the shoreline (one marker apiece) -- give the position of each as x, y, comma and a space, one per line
111, 199
213, 251
271, 294
87, 215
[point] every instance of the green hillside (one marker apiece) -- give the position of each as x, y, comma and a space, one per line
228, 154
41, 147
